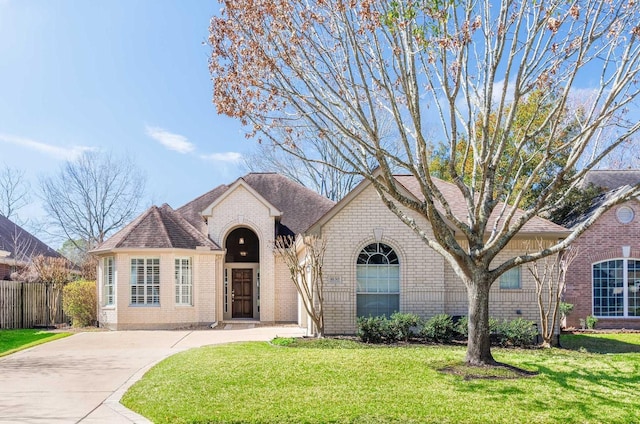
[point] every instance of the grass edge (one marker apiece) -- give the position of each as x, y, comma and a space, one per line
56, 336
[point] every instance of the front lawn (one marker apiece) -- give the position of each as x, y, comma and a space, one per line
14, 340
345, 382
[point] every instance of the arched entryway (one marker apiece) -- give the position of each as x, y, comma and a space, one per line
242, 275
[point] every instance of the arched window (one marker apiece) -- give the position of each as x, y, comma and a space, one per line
378, 275
616, 288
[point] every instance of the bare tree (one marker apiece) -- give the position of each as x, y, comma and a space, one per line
304, 259
14, 191
330, 181
22, 249
550, 276
338, 69
93, 197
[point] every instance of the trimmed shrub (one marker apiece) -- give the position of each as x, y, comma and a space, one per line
79, 300
438, 329
401, 326
373, 329
518, 332
462, 326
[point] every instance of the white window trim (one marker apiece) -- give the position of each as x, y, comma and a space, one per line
106, 283
625, 290
625, 214
178, 281
146, 303
390, 265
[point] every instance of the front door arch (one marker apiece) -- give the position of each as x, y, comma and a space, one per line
241, 285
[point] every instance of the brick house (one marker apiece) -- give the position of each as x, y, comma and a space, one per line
212, 260
604, 279
17, 247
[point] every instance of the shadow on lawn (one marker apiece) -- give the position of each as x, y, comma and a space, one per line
581, 403
596, 344
581, 381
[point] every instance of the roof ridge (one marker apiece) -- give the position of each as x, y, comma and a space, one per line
615, 170
160, 216
179, 220
203, 195
134, 224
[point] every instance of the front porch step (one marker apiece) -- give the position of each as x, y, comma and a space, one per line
238, 324
242, 324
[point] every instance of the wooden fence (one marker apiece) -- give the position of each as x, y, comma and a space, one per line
26, 305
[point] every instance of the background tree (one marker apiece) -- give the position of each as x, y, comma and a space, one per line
93, 197
521, 149
327, 176
306, 273
463, 70
14, 191
76, 252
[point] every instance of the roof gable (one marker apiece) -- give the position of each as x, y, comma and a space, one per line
300, 205
612, 181
240, 182
157, 228
296, 206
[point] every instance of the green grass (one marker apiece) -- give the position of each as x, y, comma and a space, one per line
602, 343
14, 340
341, 381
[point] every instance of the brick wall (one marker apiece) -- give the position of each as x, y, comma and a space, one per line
241, 208
602, 241
168, 314
428, 285
5, 272
286, 294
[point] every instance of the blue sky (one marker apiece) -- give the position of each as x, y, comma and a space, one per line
130, 76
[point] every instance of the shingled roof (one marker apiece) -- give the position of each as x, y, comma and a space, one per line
610, 180
18, 241
450, 191
158, 227
300, 206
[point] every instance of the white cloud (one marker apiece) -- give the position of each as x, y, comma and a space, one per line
57, 152
171, 141
229, 157
499, 87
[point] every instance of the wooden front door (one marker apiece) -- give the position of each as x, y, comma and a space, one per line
242, 294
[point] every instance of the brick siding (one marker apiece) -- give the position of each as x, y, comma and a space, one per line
602, 241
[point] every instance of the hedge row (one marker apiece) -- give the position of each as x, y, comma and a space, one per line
401, 327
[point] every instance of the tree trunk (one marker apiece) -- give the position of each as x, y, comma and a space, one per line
479, 343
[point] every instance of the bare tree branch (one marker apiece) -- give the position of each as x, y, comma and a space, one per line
304, 259
93, 197
14, 191
550, 276
334, 70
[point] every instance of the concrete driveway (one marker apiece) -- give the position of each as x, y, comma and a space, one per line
81, 378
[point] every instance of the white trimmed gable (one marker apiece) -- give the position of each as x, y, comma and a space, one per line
240, 184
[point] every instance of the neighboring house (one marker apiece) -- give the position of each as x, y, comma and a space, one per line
604, 279
212, 260
17, 247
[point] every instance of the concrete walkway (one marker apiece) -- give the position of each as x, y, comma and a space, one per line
81, 378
